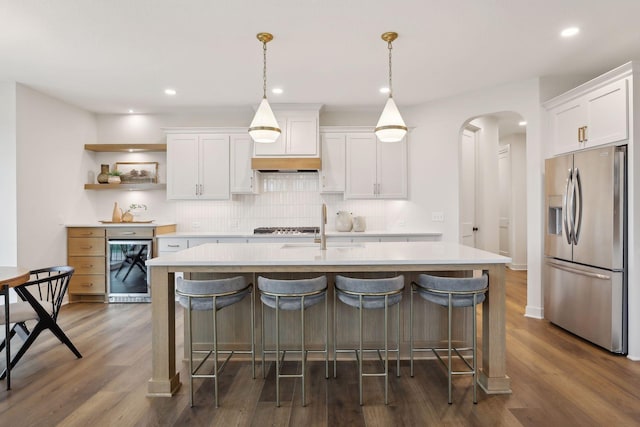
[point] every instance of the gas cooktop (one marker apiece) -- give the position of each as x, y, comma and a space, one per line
286, 230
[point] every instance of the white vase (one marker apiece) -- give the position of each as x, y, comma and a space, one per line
344, 221
114, 179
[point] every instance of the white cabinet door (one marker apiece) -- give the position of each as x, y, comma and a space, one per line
375, 169
197, 166
392, 170
361, 176
242, 176
607, 114
299, 137
332, 175
182, 166
566, 120
214, 167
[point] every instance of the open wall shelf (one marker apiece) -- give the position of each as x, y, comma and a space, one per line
125, 148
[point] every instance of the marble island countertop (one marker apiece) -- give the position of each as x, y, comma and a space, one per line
263, 255
329, 233
120, 224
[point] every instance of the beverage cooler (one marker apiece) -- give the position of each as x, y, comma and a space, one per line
128, 279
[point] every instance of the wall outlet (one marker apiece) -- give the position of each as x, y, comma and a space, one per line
195, 225
437, 216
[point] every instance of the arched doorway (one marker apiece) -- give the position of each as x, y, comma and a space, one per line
493, 185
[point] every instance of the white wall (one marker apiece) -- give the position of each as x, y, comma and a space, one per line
434, 162
52, 167
8, 190
518, 205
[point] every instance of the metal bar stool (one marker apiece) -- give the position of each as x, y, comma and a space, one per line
370, 294
202, 295
451, 292
298, 294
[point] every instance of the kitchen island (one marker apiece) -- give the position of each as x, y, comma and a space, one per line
370, 258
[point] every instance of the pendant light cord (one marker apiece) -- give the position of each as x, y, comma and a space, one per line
264, 70
390, 84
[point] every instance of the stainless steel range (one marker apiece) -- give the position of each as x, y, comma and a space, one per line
286, 230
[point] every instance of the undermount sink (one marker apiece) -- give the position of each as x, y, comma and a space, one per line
317, 245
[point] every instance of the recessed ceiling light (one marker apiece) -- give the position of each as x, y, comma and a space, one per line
170, 92
384, 90
277, 90
522, 123
570, 32
130, 111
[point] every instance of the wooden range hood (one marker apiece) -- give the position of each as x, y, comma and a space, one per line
286, 164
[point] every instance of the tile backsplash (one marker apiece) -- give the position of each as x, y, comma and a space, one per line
285, 199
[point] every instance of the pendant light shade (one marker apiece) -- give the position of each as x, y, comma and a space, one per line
264, 127
390, 127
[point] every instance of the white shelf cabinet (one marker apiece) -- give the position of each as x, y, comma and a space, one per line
198, 166
332, 175
243, 178
599, 116
299, 137
374, 169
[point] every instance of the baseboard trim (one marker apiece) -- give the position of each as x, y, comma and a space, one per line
534, 312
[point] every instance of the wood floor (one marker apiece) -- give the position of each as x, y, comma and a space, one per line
557, 380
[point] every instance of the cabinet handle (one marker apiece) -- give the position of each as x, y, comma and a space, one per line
173, 246
196, 189
324, 184
87, 266
128, 233
86, 285
579, 134
86, 247
251, 182
584, 134
87, 234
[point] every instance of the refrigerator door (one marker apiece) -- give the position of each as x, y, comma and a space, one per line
598, 207
587, 302
557, 242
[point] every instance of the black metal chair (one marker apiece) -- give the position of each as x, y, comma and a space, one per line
42, 298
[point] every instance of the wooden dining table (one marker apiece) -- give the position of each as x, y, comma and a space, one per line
10, 277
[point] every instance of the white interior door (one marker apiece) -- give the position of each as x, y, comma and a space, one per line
468, 187
504, 179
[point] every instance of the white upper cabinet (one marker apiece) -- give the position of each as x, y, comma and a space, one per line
198, 166
299, 137
374, 169
242, 176
590, 115
332, 175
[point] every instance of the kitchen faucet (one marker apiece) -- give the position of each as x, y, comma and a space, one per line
323, 222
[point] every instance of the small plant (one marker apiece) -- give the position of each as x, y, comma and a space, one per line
133, 206
115, 173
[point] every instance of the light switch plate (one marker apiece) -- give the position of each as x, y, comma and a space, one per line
437, 216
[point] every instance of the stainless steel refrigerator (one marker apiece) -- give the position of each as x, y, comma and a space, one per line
585, 274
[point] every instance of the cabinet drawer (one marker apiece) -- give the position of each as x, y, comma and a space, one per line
88, 265
86, 232
172, 245
86, 247
129, 232
87, 284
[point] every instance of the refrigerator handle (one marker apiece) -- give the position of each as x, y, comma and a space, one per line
578, 220
578, 271
565, 210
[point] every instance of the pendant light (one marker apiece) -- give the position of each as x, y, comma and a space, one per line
390, 127
264, 127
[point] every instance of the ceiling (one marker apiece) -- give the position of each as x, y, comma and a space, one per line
110, 56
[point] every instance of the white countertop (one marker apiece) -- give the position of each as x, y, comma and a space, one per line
120, 224
372, 233
346, 254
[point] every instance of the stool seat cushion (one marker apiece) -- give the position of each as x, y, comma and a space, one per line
448, 284
367, 286
293, 289
203, 291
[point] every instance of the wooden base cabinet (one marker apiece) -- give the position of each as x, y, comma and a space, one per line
86, 252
